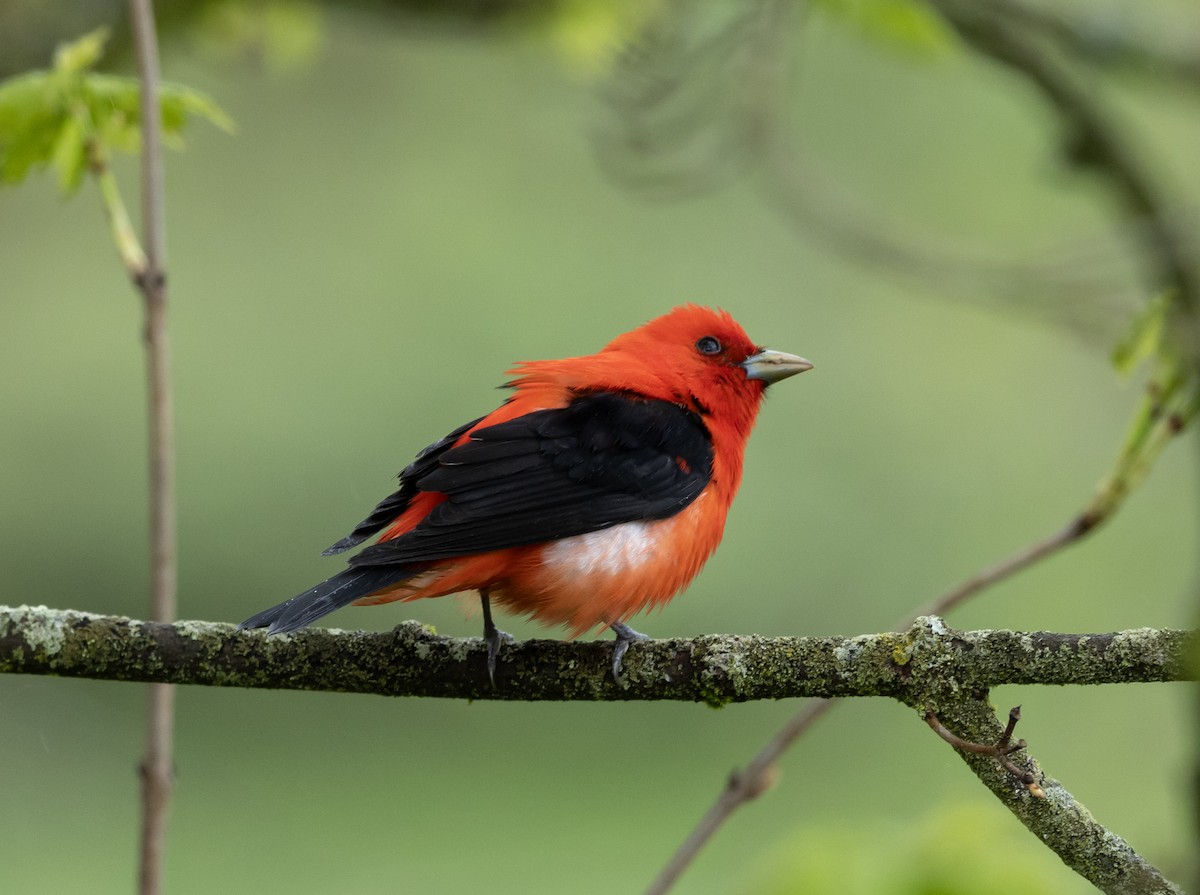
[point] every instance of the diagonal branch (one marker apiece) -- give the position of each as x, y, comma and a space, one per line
1104, 859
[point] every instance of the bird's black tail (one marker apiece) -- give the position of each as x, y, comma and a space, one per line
340, 590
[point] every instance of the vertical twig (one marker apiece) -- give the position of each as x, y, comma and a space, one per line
156, 766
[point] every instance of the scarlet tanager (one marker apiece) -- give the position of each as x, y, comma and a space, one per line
597, 489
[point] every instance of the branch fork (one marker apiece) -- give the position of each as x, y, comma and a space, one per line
1001, 750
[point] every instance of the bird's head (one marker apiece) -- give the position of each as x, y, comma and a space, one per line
703, 359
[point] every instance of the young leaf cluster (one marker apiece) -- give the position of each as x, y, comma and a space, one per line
70, 117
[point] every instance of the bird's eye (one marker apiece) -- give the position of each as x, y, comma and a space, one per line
708, 345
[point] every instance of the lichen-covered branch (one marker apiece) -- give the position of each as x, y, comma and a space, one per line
929, 662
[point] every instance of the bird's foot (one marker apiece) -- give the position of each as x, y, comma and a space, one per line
493, 636
625, 636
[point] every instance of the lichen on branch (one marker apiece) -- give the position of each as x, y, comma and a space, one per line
924, 665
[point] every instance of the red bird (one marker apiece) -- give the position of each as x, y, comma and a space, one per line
598, 489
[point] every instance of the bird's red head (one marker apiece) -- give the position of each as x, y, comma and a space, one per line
702, 358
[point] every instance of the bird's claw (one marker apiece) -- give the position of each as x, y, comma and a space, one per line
494, 637
625, 636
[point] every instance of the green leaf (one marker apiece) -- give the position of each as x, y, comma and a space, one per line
81, 54
30, 121
180, 102
69, 156
1144, 338
591, 36
112, 107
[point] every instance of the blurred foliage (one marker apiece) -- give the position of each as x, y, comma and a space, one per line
590, 35
284, 34
951, 849
911, 25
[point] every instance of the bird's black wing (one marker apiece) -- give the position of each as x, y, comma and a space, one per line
348, 585
604, 459
397, 502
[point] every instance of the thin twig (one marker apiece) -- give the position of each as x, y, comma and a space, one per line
1073, 531
743, 786
156, 766
1001, 750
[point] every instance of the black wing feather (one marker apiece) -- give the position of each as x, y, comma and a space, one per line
340, 590
394, 504
604, 459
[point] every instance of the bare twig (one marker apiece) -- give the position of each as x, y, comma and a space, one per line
1027, 556
742, 787
156, 766
1001, 750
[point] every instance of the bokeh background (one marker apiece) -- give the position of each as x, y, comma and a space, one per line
405, 209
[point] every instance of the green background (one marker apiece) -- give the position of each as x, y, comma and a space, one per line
351, 275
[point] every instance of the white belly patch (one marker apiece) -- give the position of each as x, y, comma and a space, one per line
610, 550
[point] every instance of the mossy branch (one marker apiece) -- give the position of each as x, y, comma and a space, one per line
927, 664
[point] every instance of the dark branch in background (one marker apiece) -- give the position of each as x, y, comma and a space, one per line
156, 765
694, 111
1105, 40
929, 667
1093, 138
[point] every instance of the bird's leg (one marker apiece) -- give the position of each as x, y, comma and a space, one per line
625, 636
492, 635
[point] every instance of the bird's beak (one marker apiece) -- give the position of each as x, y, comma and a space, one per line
771, 366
